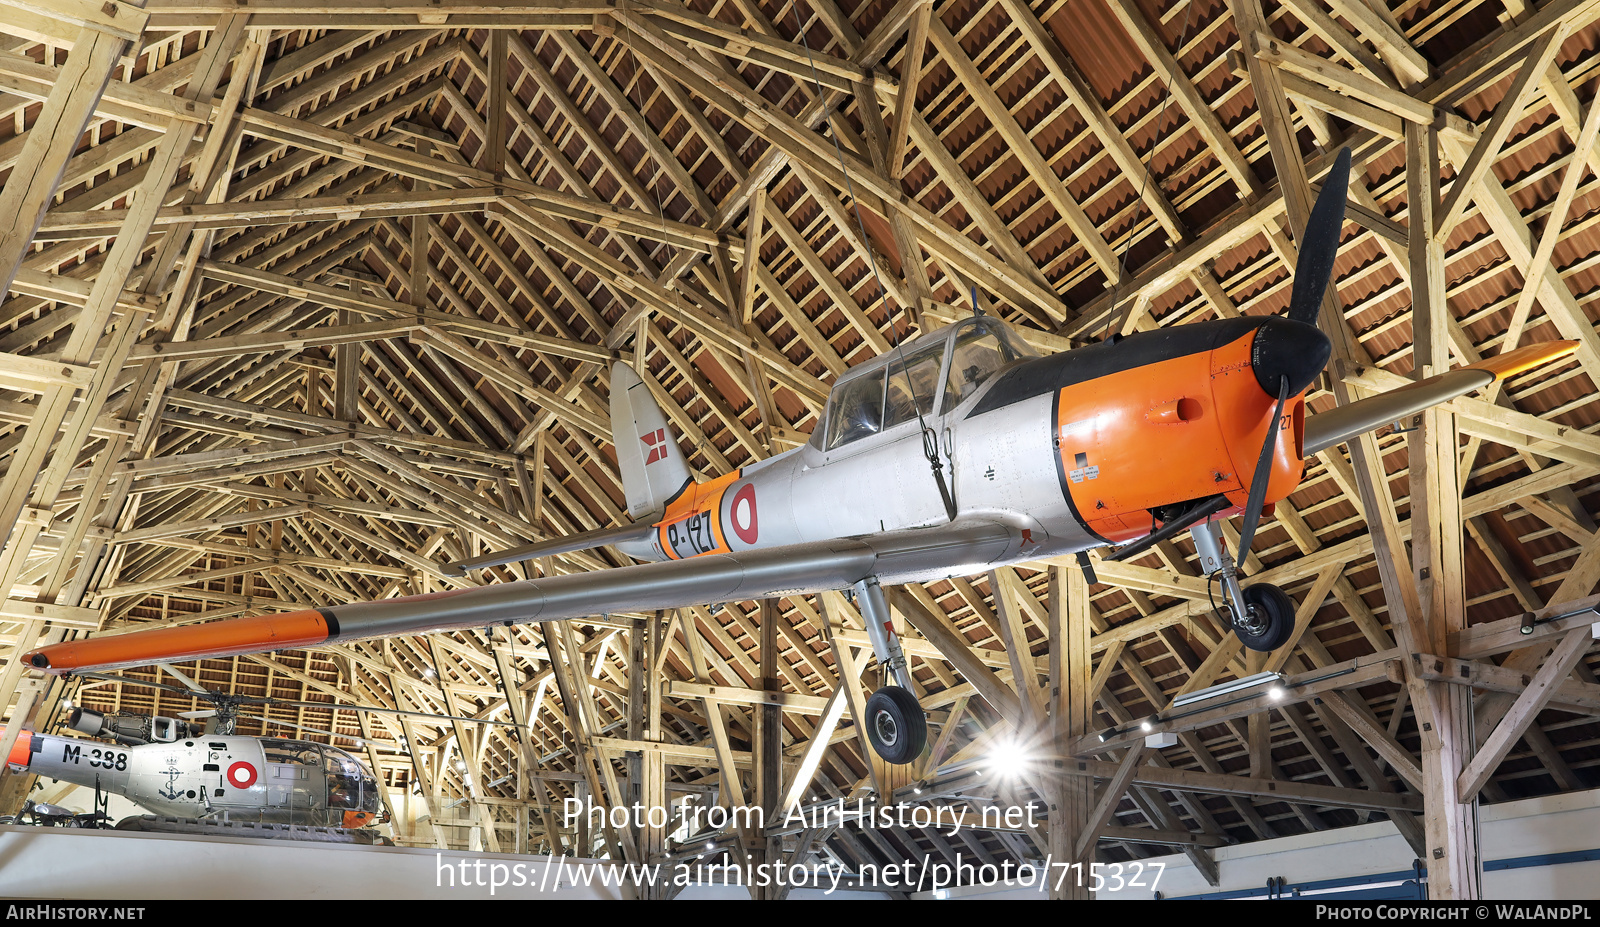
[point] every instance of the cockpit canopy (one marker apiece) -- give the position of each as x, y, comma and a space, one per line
925, 377
349, 786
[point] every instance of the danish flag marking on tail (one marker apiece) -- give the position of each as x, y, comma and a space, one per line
657, 440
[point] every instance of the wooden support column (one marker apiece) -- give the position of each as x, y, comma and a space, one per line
769, 748
1071, 711
1366, 471
1443, 711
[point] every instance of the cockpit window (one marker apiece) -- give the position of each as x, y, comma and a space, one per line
856, 411
978, 352
913, 386
349, 787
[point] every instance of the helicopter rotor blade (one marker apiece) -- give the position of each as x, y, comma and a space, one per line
199, 692
147, 683
190, 683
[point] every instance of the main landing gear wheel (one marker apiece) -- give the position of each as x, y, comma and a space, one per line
1270, 618
895, 725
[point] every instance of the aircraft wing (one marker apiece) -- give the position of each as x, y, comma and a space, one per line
1346, 422
959, 548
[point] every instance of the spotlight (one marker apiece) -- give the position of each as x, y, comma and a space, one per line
1146, 726
1275, 693
1007, 756
711, 845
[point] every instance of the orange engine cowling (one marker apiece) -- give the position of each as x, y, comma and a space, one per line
1169, 432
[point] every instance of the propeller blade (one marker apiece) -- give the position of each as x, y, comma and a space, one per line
207, 713
1258, 483
1319, 244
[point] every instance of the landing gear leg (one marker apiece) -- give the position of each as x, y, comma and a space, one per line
1263, 615
896, 726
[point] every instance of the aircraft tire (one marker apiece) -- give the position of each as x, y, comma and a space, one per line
895, 725
1277, 608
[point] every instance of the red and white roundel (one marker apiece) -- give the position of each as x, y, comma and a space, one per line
744, 514
242, 775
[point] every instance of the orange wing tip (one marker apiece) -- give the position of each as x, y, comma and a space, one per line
217, 639
1524, 359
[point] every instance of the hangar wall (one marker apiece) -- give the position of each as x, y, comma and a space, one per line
40, 862
1531, 849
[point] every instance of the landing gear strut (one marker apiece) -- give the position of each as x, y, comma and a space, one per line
1262, 615
896, 726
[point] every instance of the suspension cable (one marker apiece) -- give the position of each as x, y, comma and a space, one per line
930, 440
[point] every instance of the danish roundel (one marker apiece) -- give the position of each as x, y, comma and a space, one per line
242, 775
743, 514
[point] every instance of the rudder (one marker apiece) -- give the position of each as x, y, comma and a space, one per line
653, 468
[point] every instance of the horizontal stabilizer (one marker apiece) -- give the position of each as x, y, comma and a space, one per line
586, 540
1340, 425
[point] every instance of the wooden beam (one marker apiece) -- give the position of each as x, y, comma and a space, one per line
1522, 713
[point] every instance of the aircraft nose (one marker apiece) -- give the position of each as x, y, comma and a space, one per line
1286, 348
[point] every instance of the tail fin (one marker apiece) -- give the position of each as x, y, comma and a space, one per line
653, 468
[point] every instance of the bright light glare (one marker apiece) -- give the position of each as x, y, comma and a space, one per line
1145, 726
1007, 756
1275, 693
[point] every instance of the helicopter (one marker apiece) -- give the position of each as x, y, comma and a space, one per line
958, 452
260, 779
176, 768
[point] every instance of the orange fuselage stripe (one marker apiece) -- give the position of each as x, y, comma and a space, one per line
697, 499
264, 632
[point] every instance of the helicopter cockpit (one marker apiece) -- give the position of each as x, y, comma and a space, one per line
308, 780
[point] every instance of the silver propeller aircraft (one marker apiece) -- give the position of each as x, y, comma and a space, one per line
960, 451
